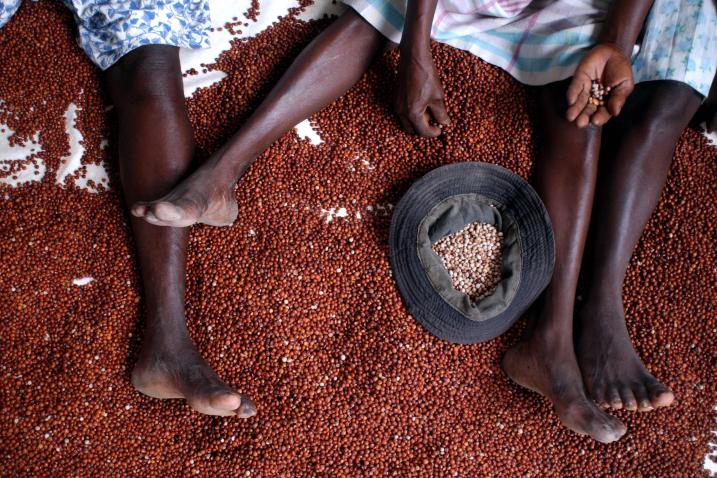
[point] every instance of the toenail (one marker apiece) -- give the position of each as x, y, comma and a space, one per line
247, 408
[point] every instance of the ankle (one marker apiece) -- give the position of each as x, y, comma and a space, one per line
604, 286
603, 302
228, 165
161, 333
551, 339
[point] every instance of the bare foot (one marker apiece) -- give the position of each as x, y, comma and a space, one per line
553, 372
613, 373
201, 198
178, 371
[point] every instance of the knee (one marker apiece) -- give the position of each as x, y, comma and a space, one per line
574, 148
148, 73
671, 105
356, 26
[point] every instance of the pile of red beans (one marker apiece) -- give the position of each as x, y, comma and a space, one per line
302, 314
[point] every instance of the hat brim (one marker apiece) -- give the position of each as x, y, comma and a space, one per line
536, 237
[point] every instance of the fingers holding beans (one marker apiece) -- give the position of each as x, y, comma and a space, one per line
600, 86
438, 109
578, 95
421, 123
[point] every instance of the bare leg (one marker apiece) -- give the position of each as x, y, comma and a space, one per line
325, 70
544, 361
156, 146
639, 145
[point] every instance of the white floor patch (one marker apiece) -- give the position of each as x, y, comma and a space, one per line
82, 281
362, 164
334, 212
73, 161
710, 463
711, 459
306, 130
193, 82
341, 212
232, 11
711, 137
19, 160
320, 8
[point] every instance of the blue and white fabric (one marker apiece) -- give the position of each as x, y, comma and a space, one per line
109, 29
542, 41
679, 43
7, 10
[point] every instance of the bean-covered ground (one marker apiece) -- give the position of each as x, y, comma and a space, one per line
295, 305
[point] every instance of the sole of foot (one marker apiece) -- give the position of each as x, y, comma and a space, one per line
575, 410
169, 214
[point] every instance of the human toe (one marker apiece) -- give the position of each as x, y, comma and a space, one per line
586, 419
660, 395
167, 211
247, 408
642, 397
139, 209
225, 400
609, 430
628, 398
613, 398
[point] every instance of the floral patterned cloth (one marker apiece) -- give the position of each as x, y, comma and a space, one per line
109, 29
679, 43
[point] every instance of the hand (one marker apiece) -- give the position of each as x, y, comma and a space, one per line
420, 95
608, 65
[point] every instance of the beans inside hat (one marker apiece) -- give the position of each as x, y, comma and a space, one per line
473, 257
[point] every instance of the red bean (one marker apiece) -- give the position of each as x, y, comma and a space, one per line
301, 314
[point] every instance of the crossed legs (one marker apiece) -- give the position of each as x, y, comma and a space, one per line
155, 147
325, 70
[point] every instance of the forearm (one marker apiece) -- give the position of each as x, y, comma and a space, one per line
417, 26
419, 99
623, 24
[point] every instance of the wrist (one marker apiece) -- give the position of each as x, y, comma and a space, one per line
415, 43
412, 56
625, 20
624, 48
617, 42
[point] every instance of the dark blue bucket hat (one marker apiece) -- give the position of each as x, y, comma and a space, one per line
443, 202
